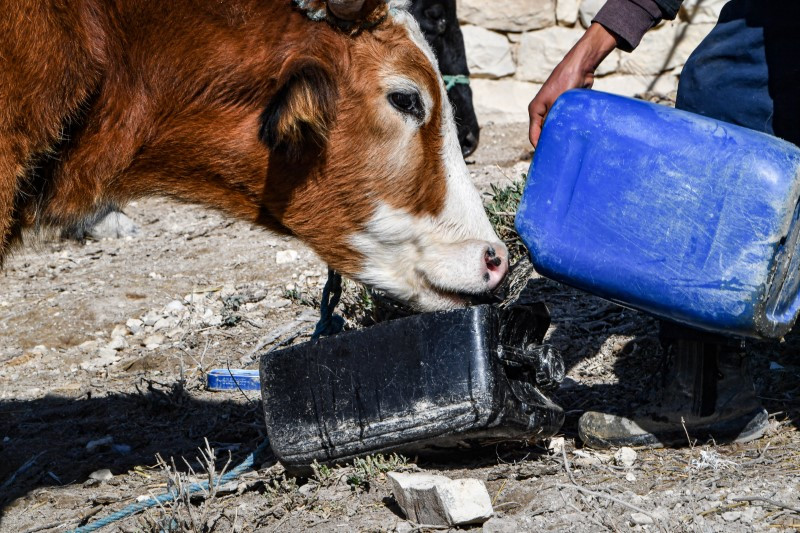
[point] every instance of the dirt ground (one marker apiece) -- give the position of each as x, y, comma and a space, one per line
104, 348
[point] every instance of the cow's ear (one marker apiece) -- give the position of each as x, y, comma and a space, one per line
302, 112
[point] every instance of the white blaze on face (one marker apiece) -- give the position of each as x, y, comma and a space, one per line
427, 260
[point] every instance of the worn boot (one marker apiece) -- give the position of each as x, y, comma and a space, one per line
707, 393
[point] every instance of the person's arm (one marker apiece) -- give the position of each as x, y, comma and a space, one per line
575, 70
620, 23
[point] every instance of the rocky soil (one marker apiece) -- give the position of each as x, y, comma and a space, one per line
104, 348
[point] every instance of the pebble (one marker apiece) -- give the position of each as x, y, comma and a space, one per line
151, 318
501, 525
153, 341
285, 256
641, 519
39, 349
731, 516
174, 332
630, 477
556, 446
117, 343
438, 500
163, 323
279, 303
119, 331
174, 307
101, 475
87, 346
625, 457
134, 325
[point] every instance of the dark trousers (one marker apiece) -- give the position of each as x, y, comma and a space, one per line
747, 70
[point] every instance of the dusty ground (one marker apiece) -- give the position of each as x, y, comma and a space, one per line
212, 291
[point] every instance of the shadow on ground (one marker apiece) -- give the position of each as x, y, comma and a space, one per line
45, 440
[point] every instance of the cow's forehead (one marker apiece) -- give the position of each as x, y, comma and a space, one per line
404, 19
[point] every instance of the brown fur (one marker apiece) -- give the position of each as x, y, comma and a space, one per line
104, 102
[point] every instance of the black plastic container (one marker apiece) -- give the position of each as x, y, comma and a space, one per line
455, 378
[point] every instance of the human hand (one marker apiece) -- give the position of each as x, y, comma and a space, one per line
576, 70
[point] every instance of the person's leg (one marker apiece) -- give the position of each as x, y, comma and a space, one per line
727, 77
706, 389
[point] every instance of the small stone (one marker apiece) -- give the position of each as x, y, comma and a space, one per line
625, 457
212, 321
134, 325
630, 477
277, 304
731, 516
104, 357
39, 349
164, 323
556, 446
92, 445
174, 332
174, 307
438, 500
119, 331
153, 341
101, 475
641, 519
117, 343
404, 527
87, 346
285, 256
151, 318
501, 525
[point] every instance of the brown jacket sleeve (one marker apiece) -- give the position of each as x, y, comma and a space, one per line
629, 20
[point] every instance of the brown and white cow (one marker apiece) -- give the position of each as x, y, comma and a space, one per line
327, 122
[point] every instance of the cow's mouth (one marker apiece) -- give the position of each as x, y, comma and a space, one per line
458, 299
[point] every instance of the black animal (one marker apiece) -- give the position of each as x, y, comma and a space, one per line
438, 21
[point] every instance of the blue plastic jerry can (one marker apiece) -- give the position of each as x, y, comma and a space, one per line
688, 218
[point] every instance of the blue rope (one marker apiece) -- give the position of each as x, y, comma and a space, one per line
451, 80
170, 496
329, 324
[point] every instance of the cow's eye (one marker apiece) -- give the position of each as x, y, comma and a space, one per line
408, 103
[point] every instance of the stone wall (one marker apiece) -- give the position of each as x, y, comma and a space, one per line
513, 45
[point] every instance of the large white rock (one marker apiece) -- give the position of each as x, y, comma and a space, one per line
629, 85
664, 49
488, 52
702, 11
567, 11
508, 15
540, 51
438, 500
502, 101
588, 10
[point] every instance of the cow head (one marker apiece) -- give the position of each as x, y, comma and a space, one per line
365, 165
439, 24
